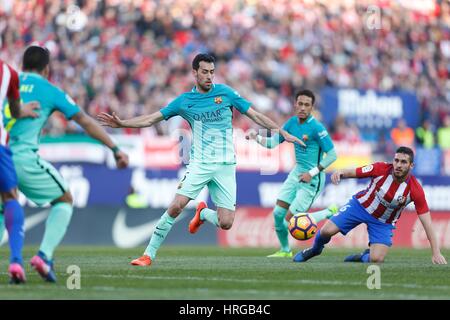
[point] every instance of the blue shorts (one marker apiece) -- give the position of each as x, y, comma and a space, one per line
8, 177
353, 214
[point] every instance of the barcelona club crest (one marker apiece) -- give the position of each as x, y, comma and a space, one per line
218, 100
305, 137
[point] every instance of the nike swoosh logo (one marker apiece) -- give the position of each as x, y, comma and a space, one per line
130, 237
30, 223
190, 106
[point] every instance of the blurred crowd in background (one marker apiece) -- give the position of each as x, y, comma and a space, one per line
133, 57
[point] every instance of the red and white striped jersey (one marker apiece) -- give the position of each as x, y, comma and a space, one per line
385, 198
9, 89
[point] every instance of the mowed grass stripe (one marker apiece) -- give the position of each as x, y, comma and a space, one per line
230, 273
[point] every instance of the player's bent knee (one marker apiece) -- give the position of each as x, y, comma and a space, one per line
225, 225
9, 195
66, 197
376, 258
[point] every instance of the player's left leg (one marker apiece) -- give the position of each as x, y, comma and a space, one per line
222, 189
380, 239
13, 214
378, 252
55, 229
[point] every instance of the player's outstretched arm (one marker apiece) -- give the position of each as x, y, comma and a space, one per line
338, 175
97, 132
114, 121
267, 123
266, 142
437, 257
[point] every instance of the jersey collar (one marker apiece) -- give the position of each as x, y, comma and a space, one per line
309, 119
194, 89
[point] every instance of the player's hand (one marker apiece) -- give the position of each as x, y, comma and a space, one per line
109, 120
251, 135
29, 110
305, 177
121, 159
438, 258
292, 139
336, 176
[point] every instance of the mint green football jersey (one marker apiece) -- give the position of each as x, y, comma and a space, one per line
316, 138
210, 117
25, 133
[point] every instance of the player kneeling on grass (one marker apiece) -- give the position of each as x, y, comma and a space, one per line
379, 206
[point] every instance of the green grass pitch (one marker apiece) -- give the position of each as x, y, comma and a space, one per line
228, 273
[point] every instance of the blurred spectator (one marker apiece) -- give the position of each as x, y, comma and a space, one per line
443, 134
402, 135
425, 135
343, 132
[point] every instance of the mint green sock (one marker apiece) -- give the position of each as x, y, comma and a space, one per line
321, 215
210, 215
55, 228
2, 223
159, 234
281, 227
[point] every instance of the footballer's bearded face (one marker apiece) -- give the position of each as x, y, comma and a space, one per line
402, 165
204, 76
303, 107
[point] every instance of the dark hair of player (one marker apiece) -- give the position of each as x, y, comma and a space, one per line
407, 151
307, 93
35, 58
202, 57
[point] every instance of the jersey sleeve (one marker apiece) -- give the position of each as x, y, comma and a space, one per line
418, 197
287, 128
373, 170
13, 88
323, 138
172, 109
65, 104
241, 104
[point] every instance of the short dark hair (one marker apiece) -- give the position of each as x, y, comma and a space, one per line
407, 151
305, 92
202, 57
35, 58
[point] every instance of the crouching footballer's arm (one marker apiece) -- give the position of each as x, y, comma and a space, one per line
437, 257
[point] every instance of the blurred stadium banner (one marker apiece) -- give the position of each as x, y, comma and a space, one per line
98, 185
373, 112
118, 226
164, 152
254, 227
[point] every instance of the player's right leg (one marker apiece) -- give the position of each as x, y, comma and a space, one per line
285, 197
281, 229
43, 184
347, 218
13, 214
380, 239
161, 230
321, 239
195, 178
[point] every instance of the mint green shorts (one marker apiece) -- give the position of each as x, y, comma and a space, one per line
39, 181
300, 195
219, 178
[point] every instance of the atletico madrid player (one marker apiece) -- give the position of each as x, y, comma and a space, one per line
379, 206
